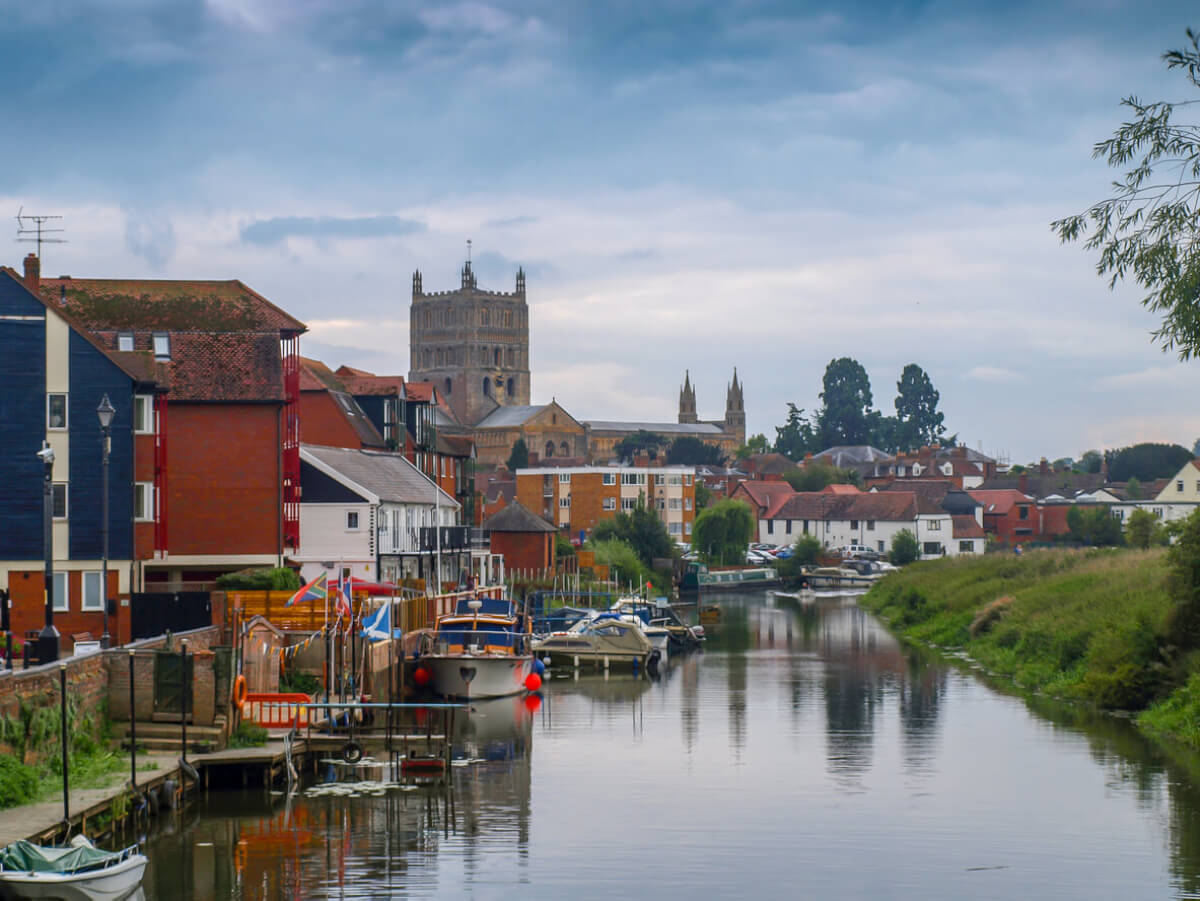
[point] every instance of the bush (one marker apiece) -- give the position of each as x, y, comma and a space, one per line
904, 548
18, 783
248, 735
277, 579
301, 683
804, 553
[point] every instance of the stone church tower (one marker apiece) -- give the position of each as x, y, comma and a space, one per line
687, 399
735, 411
472, 345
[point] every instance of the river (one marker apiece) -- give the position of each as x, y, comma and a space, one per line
804, 753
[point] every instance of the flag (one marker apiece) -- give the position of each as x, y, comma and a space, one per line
313, 591
377, 626
341, 605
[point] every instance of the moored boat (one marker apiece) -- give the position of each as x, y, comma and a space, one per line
76, 872
607, 641
482, 650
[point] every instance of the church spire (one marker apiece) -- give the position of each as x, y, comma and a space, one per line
687, 399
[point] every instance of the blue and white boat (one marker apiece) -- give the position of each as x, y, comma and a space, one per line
481, 650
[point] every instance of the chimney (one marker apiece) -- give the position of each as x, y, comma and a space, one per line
1044, 466
1023, 483
33, 272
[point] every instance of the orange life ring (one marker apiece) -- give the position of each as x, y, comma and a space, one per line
239, 691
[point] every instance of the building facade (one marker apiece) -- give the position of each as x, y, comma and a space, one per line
473, 345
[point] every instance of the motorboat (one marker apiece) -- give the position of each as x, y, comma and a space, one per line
76, 872
655, 615
836, 578
605, 641
481, 650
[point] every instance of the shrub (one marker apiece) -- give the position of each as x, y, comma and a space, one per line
278, 579
989, 616
18, 782
248, 735
904, 548
302, 683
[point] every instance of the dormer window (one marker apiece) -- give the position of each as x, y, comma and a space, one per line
125, 341
162, 346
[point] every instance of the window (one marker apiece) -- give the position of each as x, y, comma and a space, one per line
352, 520
628, 503
564, 478
610, 478
687, 528
675, 528
882, 547
62, 592
1158, 511
687, 480
448, 387
806, 527
770, 527
675, 503
966, 547
932, 549
487, 387
854, 524
549, 448
143, 414
162, 346
687, 503
143, 501
1022, 513
91, 592
56, 411
1179, 484
674, 481
900, 472
125, 341
58, 496
870, 525
564, 502
935, 525
633, 478
563, 449
788, 530
610, 503
510, 386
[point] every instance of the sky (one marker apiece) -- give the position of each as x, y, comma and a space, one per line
689, 186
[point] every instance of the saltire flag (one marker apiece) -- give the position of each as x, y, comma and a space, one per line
313, 591
342, 605
377, 626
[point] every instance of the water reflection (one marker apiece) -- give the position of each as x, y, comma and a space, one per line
804, 739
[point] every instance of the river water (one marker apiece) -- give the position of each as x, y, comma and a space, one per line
804, 753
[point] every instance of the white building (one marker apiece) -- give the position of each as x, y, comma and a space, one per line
372, 513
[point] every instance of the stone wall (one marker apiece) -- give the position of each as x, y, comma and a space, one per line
26, 692
203, 703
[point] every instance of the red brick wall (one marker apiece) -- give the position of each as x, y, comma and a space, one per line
525, 550
323, 422
224, 479
87, 686
529, 494
29, 608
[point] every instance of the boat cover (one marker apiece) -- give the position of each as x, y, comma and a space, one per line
26, 857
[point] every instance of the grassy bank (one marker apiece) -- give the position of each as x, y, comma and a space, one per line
1081, 625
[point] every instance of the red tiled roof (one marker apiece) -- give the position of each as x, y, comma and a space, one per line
999, 501
167, 305
419, 391
769, 496
360, 382
890, 506
841, 489
316, 376
226, 367
967, 527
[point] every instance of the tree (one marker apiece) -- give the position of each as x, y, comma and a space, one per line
886, 433
805, 552
1149, 228
1144, 530
1095, 526
1147, 462
815, 475
563, 546
795, 437
641, 440
642, 530
916, 409
904, 548
1133, 489
1183, 583
519, 457
691, 451
722, 532
847, 404
755, 444
703, 496
1090, 461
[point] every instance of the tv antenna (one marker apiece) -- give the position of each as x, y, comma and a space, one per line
33, 229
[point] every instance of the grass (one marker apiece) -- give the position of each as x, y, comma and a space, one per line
248, 735
1082, 625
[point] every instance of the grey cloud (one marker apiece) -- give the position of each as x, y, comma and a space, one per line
151, 238
511, 222
280, 228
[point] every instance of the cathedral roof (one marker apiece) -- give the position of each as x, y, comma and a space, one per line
666, 428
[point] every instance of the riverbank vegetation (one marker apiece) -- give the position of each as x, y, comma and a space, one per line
1114, 628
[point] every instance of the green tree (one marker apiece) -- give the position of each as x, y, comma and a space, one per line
1090, 461
755, 444
622, 560
563, 546
1095, 526
1133, 489
722, 532
1147, 462
1149, 228
641, 529
691, 451
795, 437
704, 497
886, 433
847, 404
817, 474
805, 552
641, 440
916, 409
1143, 530
1183, 583
904, 548
519, 457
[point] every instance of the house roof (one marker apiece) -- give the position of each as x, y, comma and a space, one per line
1043, 485
455, 445
388, 477
844, 455
841, 489
664, 428
891, 506
361, 382
770, 464
966, 527
1000, 501
167, 305
507, 417
315, 376
517, 518
768, 496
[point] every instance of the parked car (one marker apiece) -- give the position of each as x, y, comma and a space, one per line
858, 550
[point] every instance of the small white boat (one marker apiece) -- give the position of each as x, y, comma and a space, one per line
76, 872
607, 641
479, 651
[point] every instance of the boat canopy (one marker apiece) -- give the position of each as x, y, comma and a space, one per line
26, 857
494, 606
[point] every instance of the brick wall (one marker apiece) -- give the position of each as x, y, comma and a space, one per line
29, 608
524, 550
203, 703
38, 687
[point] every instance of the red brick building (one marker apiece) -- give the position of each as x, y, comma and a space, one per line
524, 538
1009, 515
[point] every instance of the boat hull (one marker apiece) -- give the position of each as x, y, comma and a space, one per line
109, 884
468, 676
594, 660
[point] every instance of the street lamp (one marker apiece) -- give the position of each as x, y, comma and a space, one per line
105, 413
47, 641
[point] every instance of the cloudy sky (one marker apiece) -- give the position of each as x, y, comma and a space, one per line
689, 185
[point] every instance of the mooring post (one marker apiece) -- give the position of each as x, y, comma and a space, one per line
62, 693
132, 729
183, 678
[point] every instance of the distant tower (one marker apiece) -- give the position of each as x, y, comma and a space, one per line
472, 345
735, 410
687, 399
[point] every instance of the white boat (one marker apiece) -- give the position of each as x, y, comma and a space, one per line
479, 651
825, 578
606, 641
76, 872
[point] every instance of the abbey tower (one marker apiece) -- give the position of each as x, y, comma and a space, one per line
473, 345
